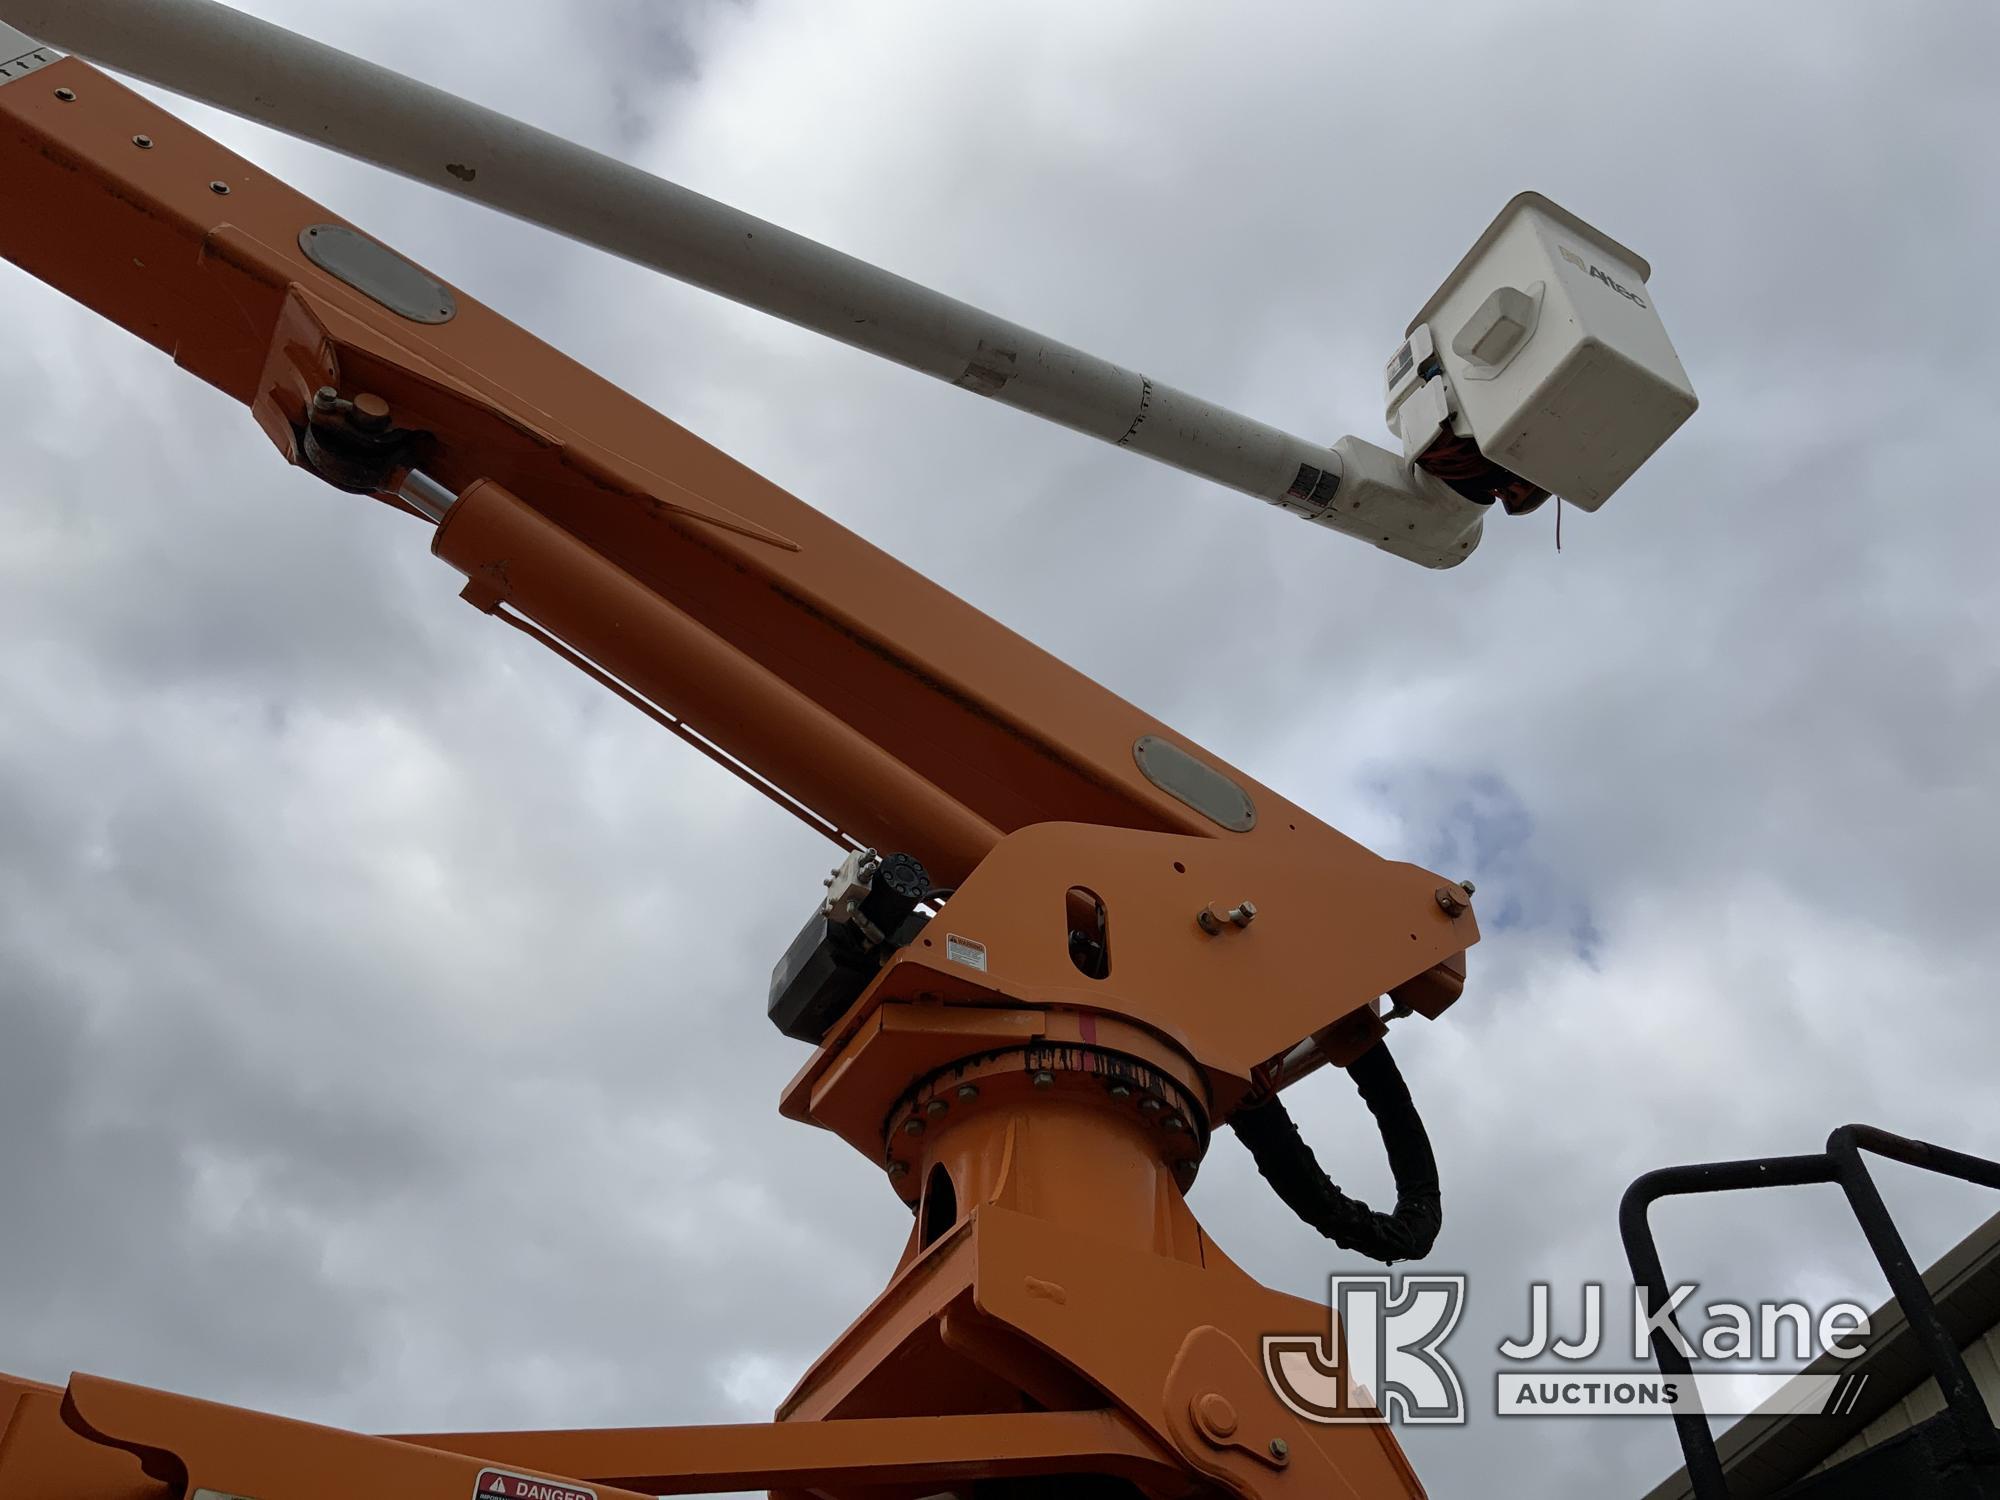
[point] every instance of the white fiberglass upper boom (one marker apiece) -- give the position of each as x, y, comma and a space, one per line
301, 87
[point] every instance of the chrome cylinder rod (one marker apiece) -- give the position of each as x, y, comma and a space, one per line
425, 495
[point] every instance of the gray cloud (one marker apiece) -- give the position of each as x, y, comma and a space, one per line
375, 1045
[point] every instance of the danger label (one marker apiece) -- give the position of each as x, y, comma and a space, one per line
965, 951
496, 1484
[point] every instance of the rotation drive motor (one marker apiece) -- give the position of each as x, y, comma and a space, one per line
870, 910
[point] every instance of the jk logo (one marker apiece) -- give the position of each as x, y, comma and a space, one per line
1382, 1361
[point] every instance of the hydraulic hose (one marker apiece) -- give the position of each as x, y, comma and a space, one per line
1288, 1164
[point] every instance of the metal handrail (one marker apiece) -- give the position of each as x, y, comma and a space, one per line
1840, 1163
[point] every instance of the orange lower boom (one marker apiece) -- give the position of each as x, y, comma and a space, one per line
1058, 1311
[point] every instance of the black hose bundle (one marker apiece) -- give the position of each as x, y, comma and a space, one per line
1288, 1164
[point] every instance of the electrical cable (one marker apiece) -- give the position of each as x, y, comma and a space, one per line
1288, 1164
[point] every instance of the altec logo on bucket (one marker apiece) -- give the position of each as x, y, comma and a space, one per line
497, 1484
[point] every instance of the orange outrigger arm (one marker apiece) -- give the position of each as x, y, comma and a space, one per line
1058, 1309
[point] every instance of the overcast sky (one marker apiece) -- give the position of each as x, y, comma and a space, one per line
381, 1003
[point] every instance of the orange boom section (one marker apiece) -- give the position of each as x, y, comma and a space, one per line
1125, 940
199, 253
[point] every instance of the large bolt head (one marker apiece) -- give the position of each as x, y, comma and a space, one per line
1214, 1415
371, 412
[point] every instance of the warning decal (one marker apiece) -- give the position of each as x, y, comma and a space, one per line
965, 951
497, 1484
